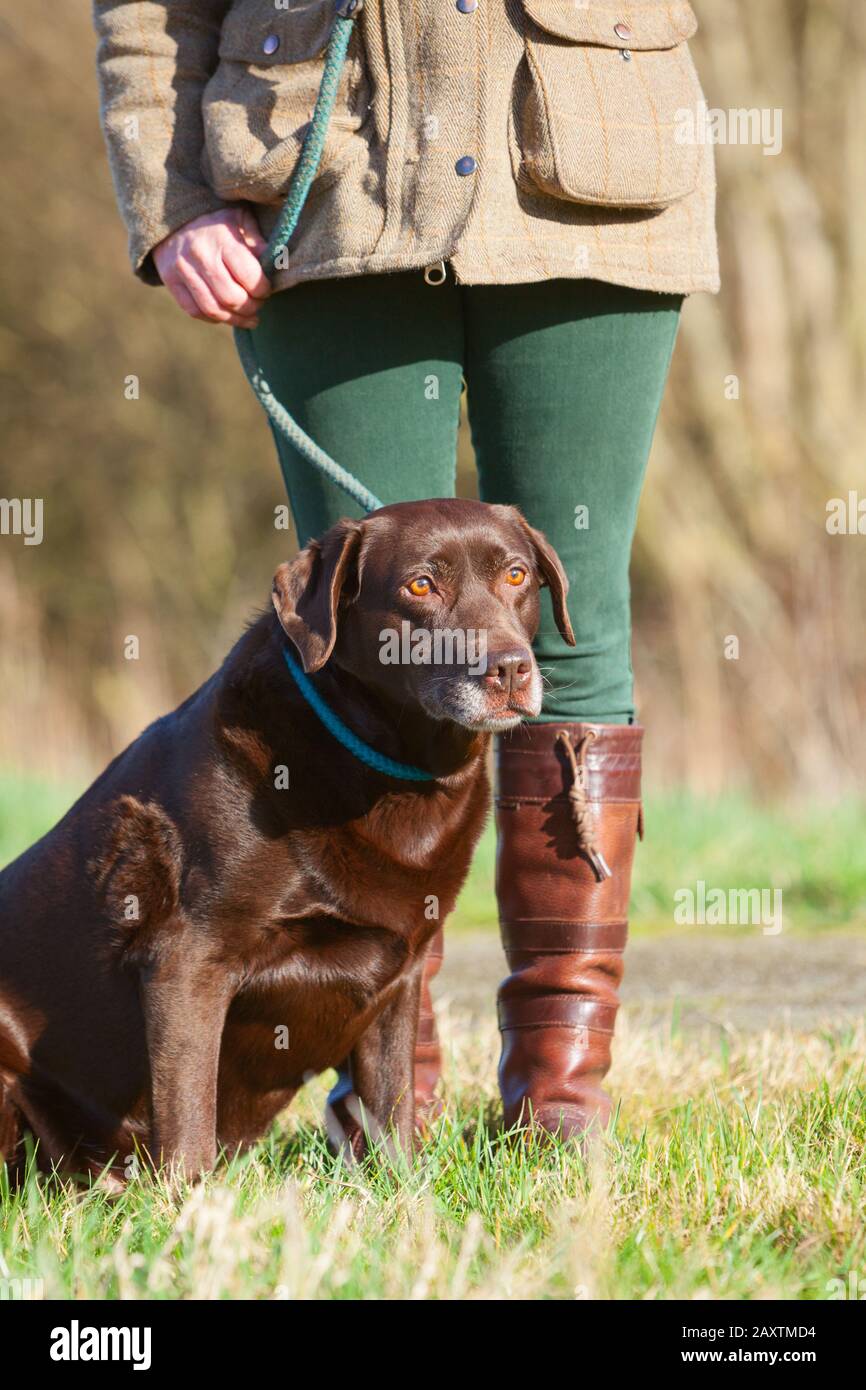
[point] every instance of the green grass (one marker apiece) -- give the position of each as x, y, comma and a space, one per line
738, 1175
816, 856
28, 807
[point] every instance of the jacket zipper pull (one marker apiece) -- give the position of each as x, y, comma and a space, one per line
435, 274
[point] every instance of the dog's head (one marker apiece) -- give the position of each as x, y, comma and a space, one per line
431, 603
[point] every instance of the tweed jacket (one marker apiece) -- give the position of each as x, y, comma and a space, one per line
519, 140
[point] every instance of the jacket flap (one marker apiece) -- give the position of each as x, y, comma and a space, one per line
650, 24
268, 37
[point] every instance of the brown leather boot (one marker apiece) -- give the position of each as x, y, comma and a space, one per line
342, 1113
568, 809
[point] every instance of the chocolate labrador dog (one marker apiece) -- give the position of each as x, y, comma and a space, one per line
239, 901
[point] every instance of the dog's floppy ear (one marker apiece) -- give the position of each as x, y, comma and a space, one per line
307, 592
554, 577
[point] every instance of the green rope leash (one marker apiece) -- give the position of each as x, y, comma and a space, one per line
283, 422
299, 187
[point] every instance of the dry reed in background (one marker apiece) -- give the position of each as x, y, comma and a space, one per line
159, 517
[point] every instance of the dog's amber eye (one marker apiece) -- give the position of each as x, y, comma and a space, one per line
421, 587
516, 574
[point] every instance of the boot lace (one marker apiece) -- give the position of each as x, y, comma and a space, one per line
582, 813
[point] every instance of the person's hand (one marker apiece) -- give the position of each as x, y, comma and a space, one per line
210, 266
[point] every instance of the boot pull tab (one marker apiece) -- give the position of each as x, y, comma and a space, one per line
584, 819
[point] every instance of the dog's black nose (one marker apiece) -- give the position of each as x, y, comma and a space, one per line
509, 670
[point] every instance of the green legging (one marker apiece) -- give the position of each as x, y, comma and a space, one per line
564, 381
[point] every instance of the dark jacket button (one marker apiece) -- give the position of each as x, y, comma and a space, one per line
465, 165
271, 44
467, 6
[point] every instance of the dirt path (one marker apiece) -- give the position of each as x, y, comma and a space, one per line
731, 982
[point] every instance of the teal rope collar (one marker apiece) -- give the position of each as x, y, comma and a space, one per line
343, 734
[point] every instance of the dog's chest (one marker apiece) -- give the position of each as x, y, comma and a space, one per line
342, 914
345, 915
312, 988
398, 868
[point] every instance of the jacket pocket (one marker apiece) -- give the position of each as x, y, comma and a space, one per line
600, 100
258, 105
